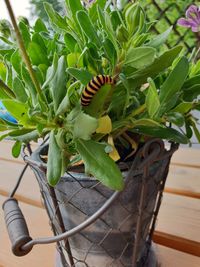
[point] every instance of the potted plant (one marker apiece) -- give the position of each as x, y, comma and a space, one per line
95, 84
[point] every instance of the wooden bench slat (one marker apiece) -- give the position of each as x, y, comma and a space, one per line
183, 178
173, 258
28, 190
180, 216
186, 156
178, 243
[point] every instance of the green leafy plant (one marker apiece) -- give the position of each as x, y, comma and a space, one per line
153, 94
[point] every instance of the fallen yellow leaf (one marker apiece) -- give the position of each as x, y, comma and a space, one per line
114, 154
105, 125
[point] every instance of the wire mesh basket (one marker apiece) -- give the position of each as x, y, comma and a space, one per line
93, 225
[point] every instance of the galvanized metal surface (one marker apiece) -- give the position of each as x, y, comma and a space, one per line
118, 236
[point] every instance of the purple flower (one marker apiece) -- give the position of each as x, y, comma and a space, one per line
192, 19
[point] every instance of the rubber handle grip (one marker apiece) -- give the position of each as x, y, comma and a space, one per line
16, 226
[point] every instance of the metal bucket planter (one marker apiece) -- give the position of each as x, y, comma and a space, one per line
105, 228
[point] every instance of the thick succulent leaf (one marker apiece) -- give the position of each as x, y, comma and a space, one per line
37, 54
99, 164
175, 118
82, 125
163, 133
137, 78
70, 42
140, 57
54, 163
175, 81
183, 107
58, 83
40, 26
152, 99
88, 27
17, 109
19, 90
190, 94
16, 149
55, 18
80, 74
160, 39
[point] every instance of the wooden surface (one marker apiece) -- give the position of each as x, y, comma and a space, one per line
178, 228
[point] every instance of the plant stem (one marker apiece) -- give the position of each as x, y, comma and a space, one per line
8, 91
138, 111
23, 51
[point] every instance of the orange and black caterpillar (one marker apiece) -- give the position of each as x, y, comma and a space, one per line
93, 87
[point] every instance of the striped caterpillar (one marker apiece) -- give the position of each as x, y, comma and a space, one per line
93, 87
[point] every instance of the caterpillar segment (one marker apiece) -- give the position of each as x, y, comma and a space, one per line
93, 87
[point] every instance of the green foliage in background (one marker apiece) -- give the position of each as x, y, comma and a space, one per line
154, 93
37, 8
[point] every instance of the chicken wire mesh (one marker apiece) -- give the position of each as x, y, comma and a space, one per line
165, 14
122, 235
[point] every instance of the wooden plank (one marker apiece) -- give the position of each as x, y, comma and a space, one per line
28, 191
43, 255
184, 178
183, 181
180, 216
6, 151
185, 156
178, 243
172, 258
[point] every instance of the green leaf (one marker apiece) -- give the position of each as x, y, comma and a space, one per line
175, 81
51, 71
74, 59
163, 133
17, 109
25, 33
140, 57
192, 81
190, 94
55, 18
74, 6
93, 9
58, 83
19, 90
70, 42
16, 61
137, 78
54, 163
176, 118
81, 75
87, 27
24, 135
16, 149
152, 99
172, 85
3, 71
110, 51
64, 106
37, 54
29, 84
183, 107
99, 164
40, 26
160, 38
83, 125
